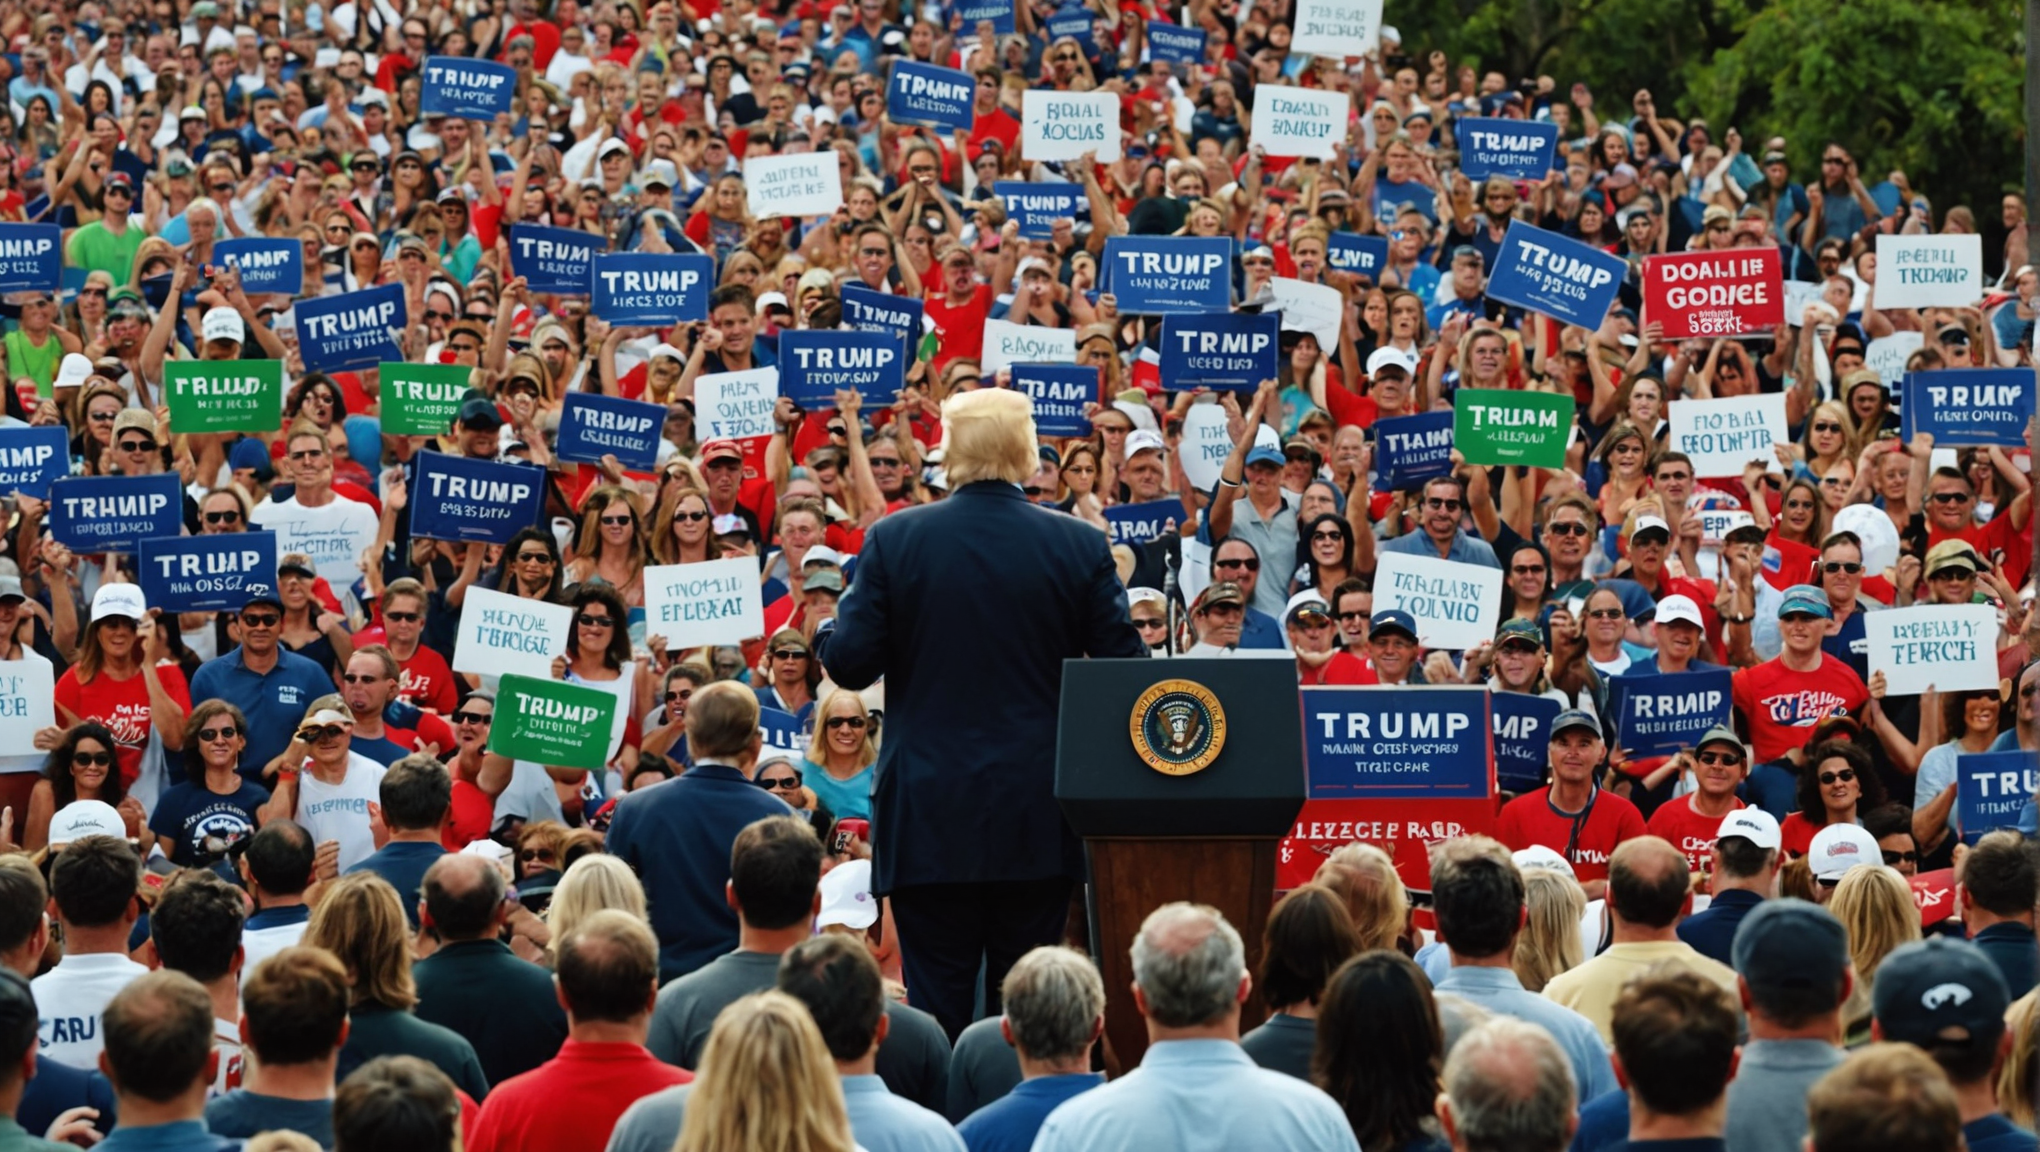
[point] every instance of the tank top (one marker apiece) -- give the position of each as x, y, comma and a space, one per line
38, 364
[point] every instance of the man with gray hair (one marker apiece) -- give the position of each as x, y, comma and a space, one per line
1196, 1088
1508, 1087
1055, 1010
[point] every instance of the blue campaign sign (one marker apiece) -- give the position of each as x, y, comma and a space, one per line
782, 730
267, 265
1408, 450
206, 573
1059, 392
816, 364
999, 12
1522, 739
467, 88
1380, 743
592, 424
868, 311
930, 96
1071, 20
32, 458
656, 288
1991, 788
558, 261
1143, 523
1564, 279
1516, 149
351, 330
1357, 254
1174, 43
92, 514
1152, 275
1228, 350
455, 498
1661, 715
31, 256
1038, 206
1969, 407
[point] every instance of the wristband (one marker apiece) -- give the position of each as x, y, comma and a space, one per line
1233, 484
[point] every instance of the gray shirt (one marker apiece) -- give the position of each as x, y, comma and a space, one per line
1767, 1098
1466, 548
1283, 1044
1274, 539
687, 1007
982, 1068
652, 1124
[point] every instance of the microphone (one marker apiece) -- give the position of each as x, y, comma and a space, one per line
1172, 597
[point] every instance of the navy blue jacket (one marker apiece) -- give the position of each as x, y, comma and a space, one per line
1712, 933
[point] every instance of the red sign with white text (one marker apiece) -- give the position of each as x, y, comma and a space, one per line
1934, 892
1726, 293
1405, 829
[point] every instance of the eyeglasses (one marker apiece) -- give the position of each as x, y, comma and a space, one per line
1566, 528
137, 445
1720, 759
260, 619
1827, 427
1674, 477
1894, 859
1247, 563
308, 454
680, 697
1846, 775
323, 732
874, 251
534, 558
1950, 497
85, 759
1149, 622
1605, 614
222, 517
472, 717
1334, 537
1441, 504
1833, 566
1526, 569
587, 621
404, 617
779, 783
883, 461
225, 732
1836, 481
856, 722
790, 654
360, 678
619, 521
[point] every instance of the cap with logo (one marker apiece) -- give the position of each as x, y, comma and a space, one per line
821, 554
1941, 993
1307, 600
327, 709
1722, 734
479, 412
1391, 357
1222, 592
72, 371
1517, 628
119, 600
1804, 600
722, 448
822, 580
1648, 523
1392, 620
259, 592
1142, 440
221, 323
82, 818
1677, 607
296, 563
1754, 825
1540, 856
1837, 848
846, 897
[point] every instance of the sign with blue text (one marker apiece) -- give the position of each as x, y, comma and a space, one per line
1152, 275
1969, 407
1143, 523
800, 184
455, 498
28, 704
1059, 393
501, 634
91, 514
1174, 43
815, 364
713, 602
867, 311
266, 264
1300, 121
1008, 343
1991, 789
1357, 254
593, 425
31, 256
205, 573
1522, 739
467, 88
652, 288
1408, 450
1928, 271
1065, 125
1038, 206
1947, 647
782, 730
1220, 350
1456, 605
1662, 715
1396, 743
556, 261
930, 96
32, 458
351, 330
736, 405
1562, 278
1514, 149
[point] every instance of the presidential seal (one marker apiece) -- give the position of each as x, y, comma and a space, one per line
1178, 727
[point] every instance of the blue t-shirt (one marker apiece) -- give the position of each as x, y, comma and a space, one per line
1010, 1123
204, 825
403, 864
274, 702
850, 797
380, 749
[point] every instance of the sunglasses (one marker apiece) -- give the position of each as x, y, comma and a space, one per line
137, 445
1846, 775
856, 722
360, 678
1441, 504
1335, 537
1149, 622
618, 521
1826, 427
1566, 528
472, 717
1833, 566
534, 558
1605, 614
790, 654
527, 855
226, 732
1893, 859
777, 783
1720, 759
679, 697
1950, 497
222, 517
260, 619
1249, 564
587, 621
84, 759
323, 732
689, 517
404, 617
1526, 569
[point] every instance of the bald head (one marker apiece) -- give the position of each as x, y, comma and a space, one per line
1648, 881
464, 897
1507, 1088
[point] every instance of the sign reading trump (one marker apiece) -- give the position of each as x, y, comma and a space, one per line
466, 88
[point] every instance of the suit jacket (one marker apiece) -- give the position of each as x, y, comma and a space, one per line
502, 1003
968, 608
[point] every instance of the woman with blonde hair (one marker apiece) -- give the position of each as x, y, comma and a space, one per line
612, 544
591, 884
1365, 878
840, 755
1550, 941
2019, 1079
680, 531
1876, 905
766, 1084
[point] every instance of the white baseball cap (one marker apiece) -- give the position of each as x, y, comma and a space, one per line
119, 600
846, 897
1678, 608
1840, 847
1142, 440
1754, 825
1390, 356
1308, 598
1541, 856
1143, 595
1646, 523
73, 371
221, 323
670, 352
822, 554
82, 818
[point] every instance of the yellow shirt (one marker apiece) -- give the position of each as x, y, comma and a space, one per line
1591, 988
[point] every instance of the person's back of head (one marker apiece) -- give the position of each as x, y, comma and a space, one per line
93, 881
1189, 966
24, 900
463, 896
835, 976
195, 926
608, 968
1675, 1042
1946, 998
1793, 960
1380, 1047
1884, 1098
416, 793
766, 1082
396, 1104
1508, 1087
294, 1007
1054, 1004
19, 1039
988, 435
159, 1039
1309, 935
722, 721
1365, 878
1550, 940
1477, 893
2001, 875
1741, 858
279, 858
776, 872
1647, 882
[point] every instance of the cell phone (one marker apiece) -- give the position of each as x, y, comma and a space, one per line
848, 829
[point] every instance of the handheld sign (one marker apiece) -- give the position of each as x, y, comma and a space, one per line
1059, 393
930, 96
1409, 450
1949, 647
467, 88
782, 730
1152, 275
32, 458
1341, 28
1991, 789
1969, 407
456, 498
714, 602
737, 405
1512, 149
224, 395
555, 261
1143, 523
1175, 43
28, 704
592, 425
351, 330
90, 514
1661, 715
421, 399
1357, 254
1943, 270
1300, 121
1522, 739
805, 184
867, 311
501, 634
31, 257
1714, 293
547, 722
1504, 426
205, 573
1318, 309
1225, 350
1724, 436
1562, 278
815, 364
651, 288
1007, 343
1206, 442
1065, 125
998, 12
1071, 20
266, 265
1038, 206
1456, 605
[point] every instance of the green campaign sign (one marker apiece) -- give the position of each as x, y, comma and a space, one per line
1504, 426
224, 395
421, 399
550, 722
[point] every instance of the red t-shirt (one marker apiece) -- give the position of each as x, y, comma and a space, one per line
123, 706
1688, 831
1780, 706
1530, 819
473, 815
995, 125
523, 1113
960, 328
1342, 668
428, 682
1348, 409
1796, 833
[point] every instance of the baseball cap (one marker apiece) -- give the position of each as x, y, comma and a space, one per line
822, 580
1517, 628
1649, 524
770, 300
1840, 847
1940, 993
661, 173
846, 897
1754, 825
1721, 734
1678, 608
1142, 440
10, 588
721, 448
136, 419
1541, 856
1393, 620
1262, 454
1305, 601
123, 600
72, 371
1223, 592
82, 818
1133, 595
1301, 448
260, 592
1951, 554
297, 563
1389, 356
669, 352
222, 323
118, 180
1790, 943
730, 524
821, 554
479, 411
1805, 598
1575, 718
327, 709
612, 145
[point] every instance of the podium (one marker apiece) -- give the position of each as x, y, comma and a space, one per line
1182, 776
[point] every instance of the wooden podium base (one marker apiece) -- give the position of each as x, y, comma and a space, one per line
1132, 877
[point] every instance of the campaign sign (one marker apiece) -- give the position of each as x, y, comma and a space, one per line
651, 288
1723, 436
803, 184
1341, 28
1511, 149
1943, 270
205, 573
1205, 444
999, 12
554, 261
501, 634
1300, 121
266, 265
593, 425
91, 514
351, 330
1007, 343
1456, 605
1038, 206
1151, 275
455, 498
548, 722
421, 399
736, 405
1522, 739
31, 256
868, 311
714, 602
32, 458
782, 730
1397, 743
1059, 393
1560, 277
1175, 43
1949, 647
1714, 293
1143, 523
467, 88
1409, 450
1991, 789
28, 704
1405, 829
930, 96
1357, 254
1226, 350
224, 395
1887, 355
1969, 407
815, 364
1071, 20
1504, 426
1318, 309
1065, 125
1661, 715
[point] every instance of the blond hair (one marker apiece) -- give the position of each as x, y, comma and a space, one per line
988, 435
818, 741
1876, 905
1365, 878
591, 884
766, 1084
1550, 941
361, 921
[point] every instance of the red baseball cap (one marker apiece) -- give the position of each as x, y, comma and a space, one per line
720, 449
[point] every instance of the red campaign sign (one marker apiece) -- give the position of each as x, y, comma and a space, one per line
1714, 293
1934, 893
1405, 829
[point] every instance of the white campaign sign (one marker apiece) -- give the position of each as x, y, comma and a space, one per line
736, 404
1300, 121
1944, 270
1947, 647
1457, 606
1205, 445
1065, 125
804, 184
715, 602
1887, 355
1723, 436
502, 635
1318, 309
1341, 28
28, 704
1007, 343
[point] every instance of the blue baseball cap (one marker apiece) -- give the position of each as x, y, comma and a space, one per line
260, 592
1393, 620
1789, 943
1266, 454
1575, 718
1806, 599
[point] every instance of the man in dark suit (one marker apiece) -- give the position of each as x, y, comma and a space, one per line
968, 609
474, 984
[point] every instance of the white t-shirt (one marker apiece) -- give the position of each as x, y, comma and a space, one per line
70, 998
530, 795
259, 944
333, 535
340, 811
